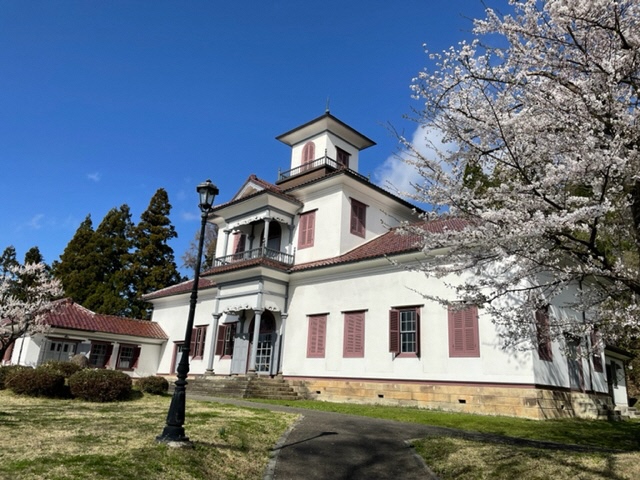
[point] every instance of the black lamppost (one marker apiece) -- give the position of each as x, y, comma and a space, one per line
174, 430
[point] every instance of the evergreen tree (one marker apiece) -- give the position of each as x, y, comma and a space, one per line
153, 264
78, 268
112, 242
33, 255
8, 260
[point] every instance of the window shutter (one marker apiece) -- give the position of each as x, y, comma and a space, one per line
418, 332
463, 332
136, 356
394, 331
192, 345
543, 334
316, 336
306, 227
222, 332
597, 357
107, 356
353, 343
308, 154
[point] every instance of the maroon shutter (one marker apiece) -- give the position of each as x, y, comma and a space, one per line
394, 331
353, 344
136, 356
192, 345
107, 356
306, 228
8, 352
222, 332
472, 343
543, 334
456, 332
597, 357
316, 336
308, 154
418, 332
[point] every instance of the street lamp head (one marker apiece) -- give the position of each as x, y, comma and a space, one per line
207, 192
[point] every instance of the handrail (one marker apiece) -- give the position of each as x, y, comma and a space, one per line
260, 252
318, 162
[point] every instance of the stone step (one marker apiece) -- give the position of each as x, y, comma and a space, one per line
242, 387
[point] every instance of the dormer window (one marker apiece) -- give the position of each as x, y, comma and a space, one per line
308, 155
342, 157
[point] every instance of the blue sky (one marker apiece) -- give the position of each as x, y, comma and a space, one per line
104, 102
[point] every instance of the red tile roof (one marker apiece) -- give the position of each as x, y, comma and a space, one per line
184, 287
268, 187
68, 314
394, 242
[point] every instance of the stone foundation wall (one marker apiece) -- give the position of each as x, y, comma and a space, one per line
514, 401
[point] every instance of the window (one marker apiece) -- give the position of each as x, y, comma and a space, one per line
353, 344
306, 229
239, 241
596, 350
198, 336
342, 157
463, 331
358, 218
404, 331
226, 338
59, 350
316, 336
308, 155
543, 334
127, 357
100, 354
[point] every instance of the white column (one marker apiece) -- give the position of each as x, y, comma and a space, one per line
254, 344
214, 340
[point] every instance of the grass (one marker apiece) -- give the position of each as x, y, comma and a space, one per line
70, 439
623, 436
607, 450
64, 439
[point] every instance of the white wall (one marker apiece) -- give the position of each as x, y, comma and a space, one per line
377, 292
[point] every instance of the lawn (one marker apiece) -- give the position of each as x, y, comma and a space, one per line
71, 439
65, 439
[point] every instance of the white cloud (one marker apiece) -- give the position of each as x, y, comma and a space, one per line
399, 176
189, 217
94, 176
36, 222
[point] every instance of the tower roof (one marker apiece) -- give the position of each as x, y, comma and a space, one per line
323, 123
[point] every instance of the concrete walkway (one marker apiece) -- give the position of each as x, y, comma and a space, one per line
323, 445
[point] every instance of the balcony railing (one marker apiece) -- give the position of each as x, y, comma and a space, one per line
261, 252
317, 163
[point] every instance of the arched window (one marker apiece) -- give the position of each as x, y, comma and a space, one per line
308, 155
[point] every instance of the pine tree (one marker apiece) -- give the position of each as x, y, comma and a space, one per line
78, 268
112, 242
153, 264
8, 260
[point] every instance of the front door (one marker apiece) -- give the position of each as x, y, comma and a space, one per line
266, 341
240, 354
576, 376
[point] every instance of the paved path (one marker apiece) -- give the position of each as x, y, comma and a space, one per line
323, 445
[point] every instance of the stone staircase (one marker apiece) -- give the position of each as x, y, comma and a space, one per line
252, 386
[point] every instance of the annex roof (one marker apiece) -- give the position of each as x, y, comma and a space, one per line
68, 314
178, 289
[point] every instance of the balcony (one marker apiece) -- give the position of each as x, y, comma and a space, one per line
309, 171
256, 253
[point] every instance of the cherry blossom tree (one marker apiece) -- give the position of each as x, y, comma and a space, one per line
540, 115
26, 296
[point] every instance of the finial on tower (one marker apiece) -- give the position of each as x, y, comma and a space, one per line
326, 110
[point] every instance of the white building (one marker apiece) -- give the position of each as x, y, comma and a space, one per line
303, 287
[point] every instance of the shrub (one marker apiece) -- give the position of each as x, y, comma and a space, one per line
97, 385
7, 371
155, 385
38, 382
66, 369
